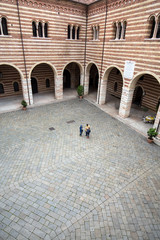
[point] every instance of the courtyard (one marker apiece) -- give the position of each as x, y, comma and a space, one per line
55, 184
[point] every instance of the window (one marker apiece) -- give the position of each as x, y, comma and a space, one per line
119, 30
40, 33
95, 30
40, 29
154, 27
34, 29
16, 86
3, 26
47, 83
1, 88
73, 32
78, 32
46, 30
115, 86
158, 28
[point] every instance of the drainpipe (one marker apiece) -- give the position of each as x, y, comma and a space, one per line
104, 38
22, 43
85, 48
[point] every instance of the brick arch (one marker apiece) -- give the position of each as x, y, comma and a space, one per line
12, 65
103, 87
87, 74
80, 68
48, 63
133, 82
78, 63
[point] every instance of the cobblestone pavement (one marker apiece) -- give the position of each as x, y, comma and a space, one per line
58, 185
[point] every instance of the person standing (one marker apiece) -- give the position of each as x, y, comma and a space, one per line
87, 130
81, 130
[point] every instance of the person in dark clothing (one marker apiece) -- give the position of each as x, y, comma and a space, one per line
81, 130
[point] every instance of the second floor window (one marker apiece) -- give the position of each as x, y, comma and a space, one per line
3, 26
40, 29
120, 30
73, 32
154, 27
95, 32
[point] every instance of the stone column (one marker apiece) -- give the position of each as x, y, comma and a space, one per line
94, 32
126, 102
59, 87
103, 90
155, 29
157, 121
27, 91
86, 84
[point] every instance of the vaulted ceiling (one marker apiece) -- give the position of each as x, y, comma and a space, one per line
85, 1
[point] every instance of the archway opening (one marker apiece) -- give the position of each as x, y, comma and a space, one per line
93, 79
34, 85
138, 95
43, 83
66, 79
145, 101
114, 89
11, 93
71, 79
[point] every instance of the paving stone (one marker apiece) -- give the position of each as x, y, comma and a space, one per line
57, 185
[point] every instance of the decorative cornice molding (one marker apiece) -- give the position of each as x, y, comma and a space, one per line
48, 6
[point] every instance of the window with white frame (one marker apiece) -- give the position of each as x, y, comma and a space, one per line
95, 32
73, 32
119, 29
3, 26
40, 29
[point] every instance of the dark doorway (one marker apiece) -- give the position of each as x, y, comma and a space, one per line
93, 78
34, 85
138, 94
66, 79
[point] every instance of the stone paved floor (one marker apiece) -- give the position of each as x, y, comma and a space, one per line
58, 185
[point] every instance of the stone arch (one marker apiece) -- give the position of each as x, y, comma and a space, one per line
17, 68
103, 87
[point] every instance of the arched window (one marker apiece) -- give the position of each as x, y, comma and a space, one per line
115, 30
119, 30
1, 88
78, 29
73, 32
152, 26
124, 29
115, 86
4, 26
46, 30
158, 29
16, 86
34, 29
69, 29
40, 33
47, 83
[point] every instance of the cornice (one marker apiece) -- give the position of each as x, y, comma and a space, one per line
48, 6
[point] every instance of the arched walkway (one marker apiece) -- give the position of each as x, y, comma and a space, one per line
71, 79
91, 82
111, 89
140, 99
11, 92
42, 78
